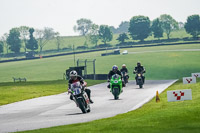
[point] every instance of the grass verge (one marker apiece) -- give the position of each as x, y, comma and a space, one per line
162, 117
13, 92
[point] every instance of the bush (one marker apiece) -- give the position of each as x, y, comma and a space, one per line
82, 47
104, 45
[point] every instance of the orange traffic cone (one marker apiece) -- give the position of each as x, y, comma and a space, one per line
157, 97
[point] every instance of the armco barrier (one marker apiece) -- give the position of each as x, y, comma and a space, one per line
97, 76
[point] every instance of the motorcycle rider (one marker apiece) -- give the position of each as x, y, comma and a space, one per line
139, 69
112, 72
74, 77
124, 69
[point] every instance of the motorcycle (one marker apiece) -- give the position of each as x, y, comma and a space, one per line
116, 86
139, 80
125, 77
80, 97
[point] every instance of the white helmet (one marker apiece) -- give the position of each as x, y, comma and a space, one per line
124, 65
73, 74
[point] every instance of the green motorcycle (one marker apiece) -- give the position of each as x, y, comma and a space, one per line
116, 86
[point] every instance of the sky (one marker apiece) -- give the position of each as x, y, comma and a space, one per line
61, 15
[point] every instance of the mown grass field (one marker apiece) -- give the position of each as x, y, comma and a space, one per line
162, 117
159, 63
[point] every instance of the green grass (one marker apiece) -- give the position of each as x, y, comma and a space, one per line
13, 92
159, 65
162, 117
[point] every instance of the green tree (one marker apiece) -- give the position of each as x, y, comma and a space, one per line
105, 34
123, 27
157, 29
114, 30
32, 43
14, 41
139, 27
1, 47
192, 26
94, 35
181, 25
94, 39
122, 37
168, 24
24, 35
5, 44
83, 26
58, 40
43, 36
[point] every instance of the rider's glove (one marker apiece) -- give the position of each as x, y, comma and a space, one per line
69, 91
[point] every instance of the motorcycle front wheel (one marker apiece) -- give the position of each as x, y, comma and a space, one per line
116, 93
140, 86
81, 106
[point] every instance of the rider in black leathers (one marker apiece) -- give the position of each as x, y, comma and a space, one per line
124, 69
139, 69
112, 72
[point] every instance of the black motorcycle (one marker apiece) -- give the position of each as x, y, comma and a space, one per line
125, 77
139, 79
80, 97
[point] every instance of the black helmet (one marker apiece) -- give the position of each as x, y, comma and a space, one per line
138, 63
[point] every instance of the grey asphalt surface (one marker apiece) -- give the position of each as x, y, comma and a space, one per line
57, 110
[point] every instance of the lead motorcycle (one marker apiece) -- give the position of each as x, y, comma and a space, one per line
116, 86
80, 97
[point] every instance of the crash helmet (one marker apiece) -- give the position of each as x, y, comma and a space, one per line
115, 68
138, 63
73, 74
124, 66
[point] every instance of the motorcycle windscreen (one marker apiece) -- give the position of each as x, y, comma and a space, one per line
115, 77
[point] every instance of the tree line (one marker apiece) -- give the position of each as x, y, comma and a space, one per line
139, 28
27, 38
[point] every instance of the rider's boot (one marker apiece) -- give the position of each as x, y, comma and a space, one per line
91, 101
88, 93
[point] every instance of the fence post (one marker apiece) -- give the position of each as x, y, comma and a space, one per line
85, 68
77, 62
94, 69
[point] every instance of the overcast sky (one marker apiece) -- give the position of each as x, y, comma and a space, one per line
61, 15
